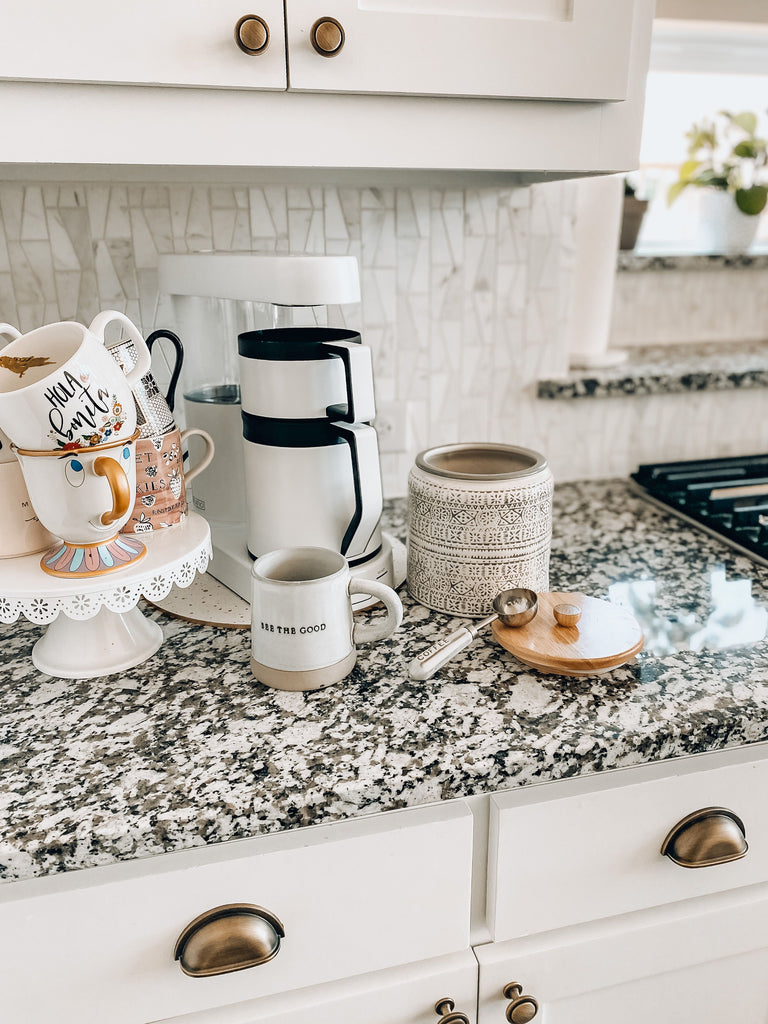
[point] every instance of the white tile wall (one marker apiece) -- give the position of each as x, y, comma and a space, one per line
465, 298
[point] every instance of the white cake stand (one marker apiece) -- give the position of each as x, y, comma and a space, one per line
94, 626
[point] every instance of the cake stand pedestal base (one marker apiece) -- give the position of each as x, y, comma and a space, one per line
109, 642
94, 625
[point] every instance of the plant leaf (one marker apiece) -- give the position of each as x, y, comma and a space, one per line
747, 120
688, 169
710, 179
752, 200
746, 149
674, 191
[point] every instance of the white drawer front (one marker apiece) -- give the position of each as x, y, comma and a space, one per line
401, 995
353, 897
579, 850
696, 962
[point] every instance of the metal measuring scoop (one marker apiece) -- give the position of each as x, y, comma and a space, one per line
511, 607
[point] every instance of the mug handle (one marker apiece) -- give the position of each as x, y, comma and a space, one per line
368, 633
10, 331
178, 360
143, 357
122, 498
210, 451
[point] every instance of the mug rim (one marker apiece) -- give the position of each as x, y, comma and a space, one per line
6, 351
280, 554
81, 449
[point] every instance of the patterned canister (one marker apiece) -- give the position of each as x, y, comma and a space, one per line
479, 521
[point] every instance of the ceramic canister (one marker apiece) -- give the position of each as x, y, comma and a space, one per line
479, 522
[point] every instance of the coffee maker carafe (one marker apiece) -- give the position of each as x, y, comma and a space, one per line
312, 471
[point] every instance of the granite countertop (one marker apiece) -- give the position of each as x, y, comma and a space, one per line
667, 370
642, 262
188, 749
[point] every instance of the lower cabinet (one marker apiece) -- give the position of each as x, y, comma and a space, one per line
168, 937
702, 961
592, 915
402, 995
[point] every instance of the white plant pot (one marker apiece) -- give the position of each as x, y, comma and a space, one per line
722, 227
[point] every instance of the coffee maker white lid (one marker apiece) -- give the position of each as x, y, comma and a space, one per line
283, 280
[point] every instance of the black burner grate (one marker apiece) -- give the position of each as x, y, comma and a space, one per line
726, 497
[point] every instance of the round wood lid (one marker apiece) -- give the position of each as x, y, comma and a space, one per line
604, 637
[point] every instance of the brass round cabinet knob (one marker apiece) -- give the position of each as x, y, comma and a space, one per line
446, 1010
327, 37
523, 1008
252, 34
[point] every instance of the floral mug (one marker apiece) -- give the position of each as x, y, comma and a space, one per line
61, 390
161, 481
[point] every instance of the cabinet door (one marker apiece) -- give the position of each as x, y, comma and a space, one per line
404, 995
704, 961
158, 42
555, 49
353, 897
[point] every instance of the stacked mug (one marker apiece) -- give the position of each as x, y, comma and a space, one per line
68, 410
22, 533
160, 499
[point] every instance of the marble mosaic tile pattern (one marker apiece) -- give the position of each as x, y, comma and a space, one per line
465, 298
461, 288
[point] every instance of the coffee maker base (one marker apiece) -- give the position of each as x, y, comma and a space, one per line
231, 564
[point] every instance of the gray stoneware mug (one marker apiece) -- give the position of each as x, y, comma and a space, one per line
303, 633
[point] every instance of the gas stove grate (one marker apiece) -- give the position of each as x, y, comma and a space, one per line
726, 497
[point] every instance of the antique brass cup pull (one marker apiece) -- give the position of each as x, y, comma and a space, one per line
523, 1008
228, 938
445, 1009
713, 835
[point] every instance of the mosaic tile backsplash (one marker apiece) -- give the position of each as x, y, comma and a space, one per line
465, 297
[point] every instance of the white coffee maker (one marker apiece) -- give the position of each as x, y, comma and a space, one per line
285, 388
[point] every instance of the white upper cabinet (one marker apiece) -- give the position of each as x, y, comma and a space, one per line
544, 49
522, 90
154, 42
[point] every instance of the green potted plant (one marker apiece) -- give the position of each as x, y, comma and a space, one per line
632, 217
727, 159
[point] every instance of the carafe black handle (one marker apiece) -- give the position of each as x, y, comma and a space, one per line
366, 476
358, 378
179, 359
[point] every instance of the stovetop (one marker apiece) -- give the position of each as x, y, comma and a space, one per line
726, 497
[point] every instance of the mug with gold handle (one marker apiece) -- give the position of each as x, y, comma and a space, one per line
84, 496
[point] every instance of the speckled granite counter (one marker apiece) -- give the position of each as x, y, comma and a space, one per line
667, 370
188, 749
639, 262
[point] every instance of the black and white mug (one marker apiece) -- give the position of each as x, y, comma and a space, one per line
303, 635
